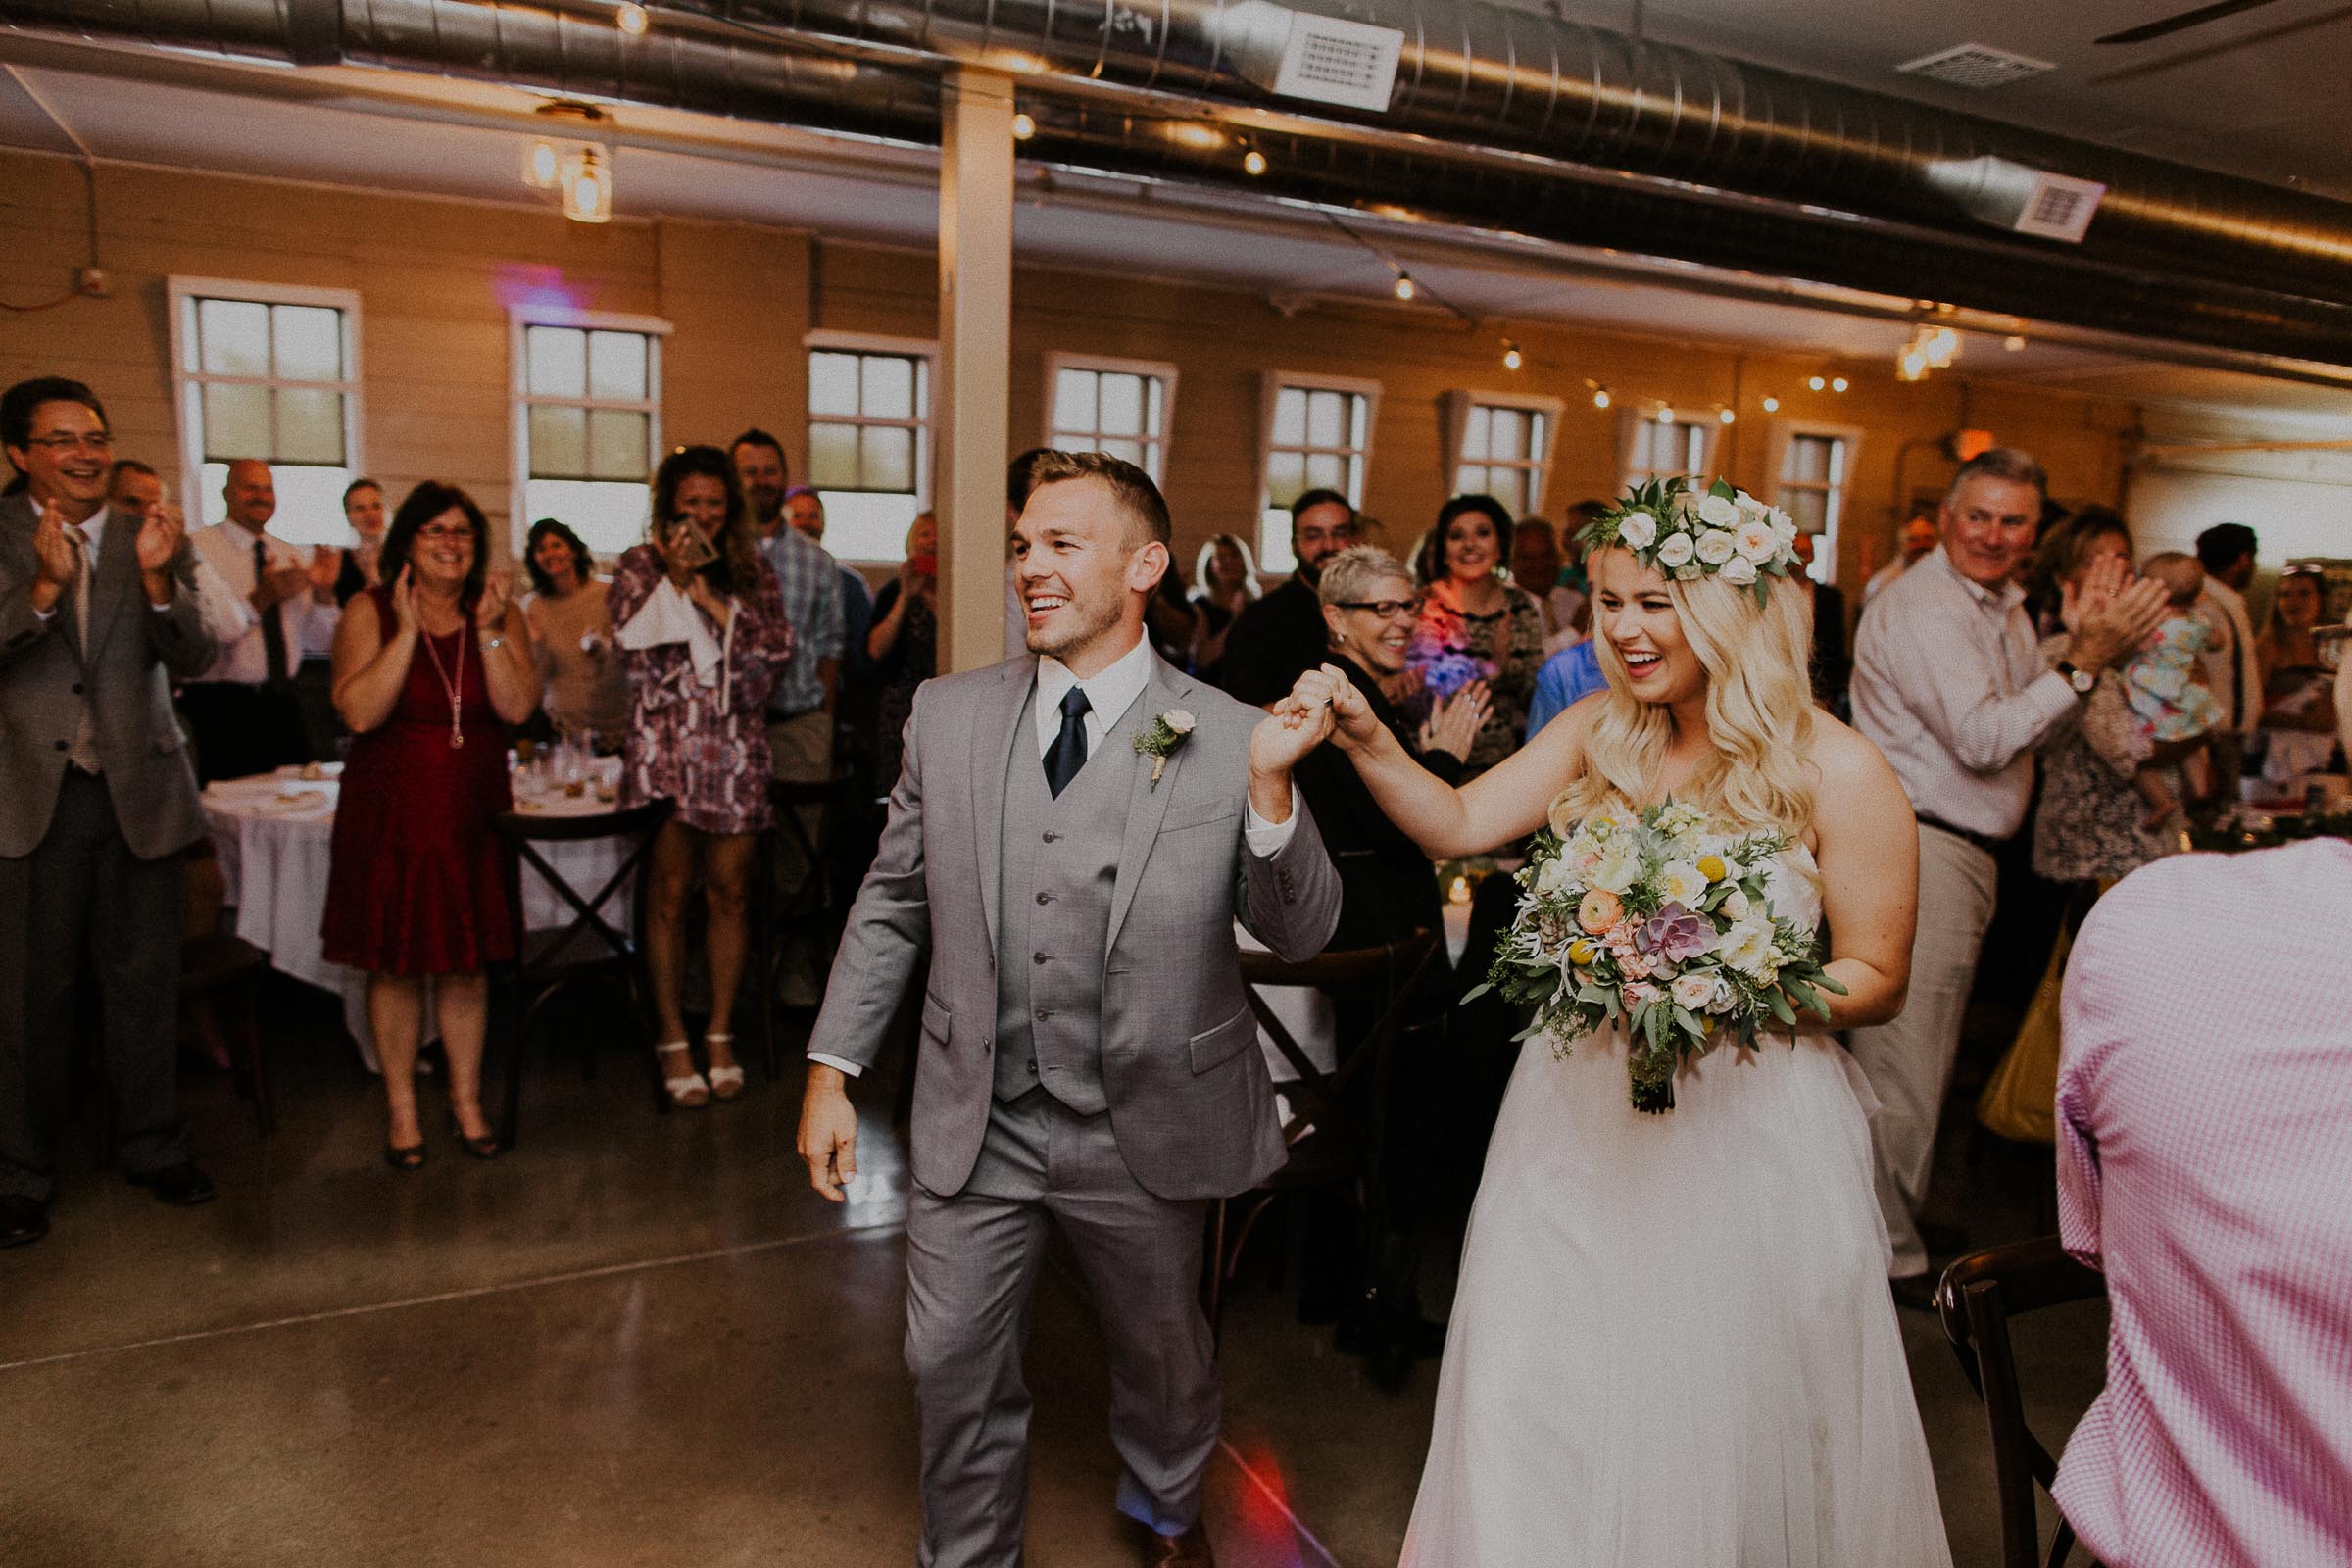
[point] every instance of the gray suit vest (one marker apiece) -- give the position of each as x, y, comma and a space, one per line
1057, 867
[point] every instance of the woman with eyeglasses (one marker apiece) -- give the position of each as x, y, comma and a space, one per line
428, 670
1474, 626
702, 634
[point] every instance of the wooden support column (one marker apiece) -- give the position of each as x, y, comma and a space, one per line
975, 363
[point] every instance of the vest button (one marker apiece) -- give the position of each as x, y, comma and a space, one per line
1042, 958
1051, 835
67, 746
1041, 898
77, 688
1043, 1013
1031, 1069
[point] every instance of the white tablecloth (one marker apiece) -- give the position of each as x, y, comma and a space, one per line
274, 836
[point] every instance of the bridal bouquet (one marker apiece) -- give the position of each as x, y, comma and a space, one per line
1661, 923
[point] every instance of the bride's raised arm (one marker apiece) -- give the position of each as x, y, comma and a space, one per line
1501, 805
1867, 851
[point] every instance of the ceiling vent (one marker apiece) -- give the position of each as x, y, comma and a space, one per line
1300, 54
1975, 65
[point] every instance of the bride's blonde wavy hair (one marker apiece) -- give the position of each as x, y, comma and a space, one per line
1759, 712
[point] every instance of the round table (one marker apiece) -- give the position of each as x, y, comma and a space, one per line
274, 834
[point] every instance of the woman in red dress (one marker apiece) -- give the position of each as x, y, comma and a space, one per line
428, 670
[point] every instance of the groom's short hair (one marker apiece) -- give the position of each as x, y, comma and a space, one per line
1147, 510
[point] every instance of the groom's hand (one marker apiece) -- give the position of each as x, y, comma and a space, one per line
1281, 739
828, 1138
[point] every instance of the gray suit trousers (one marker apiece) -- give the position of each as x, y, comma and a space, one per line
972, 1279
81, 896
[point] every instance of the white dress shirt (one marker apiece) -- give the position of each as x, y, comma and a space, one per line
1109, 693
1949, 683
2232, 669
309, 626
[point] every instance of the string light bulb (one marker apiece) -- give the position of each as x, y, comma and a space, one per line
1816, 383
632, 19
1024, 127
1254, 161
1837, 383
1771, 405
1911, 366
1727, 416
542, 166
1405, 288
1600, 397
2013, 343
1511, 358
1665, 413
588, 186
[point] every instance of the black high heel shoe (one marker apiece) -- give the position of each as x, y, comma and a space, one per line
404, 1159
486, 1146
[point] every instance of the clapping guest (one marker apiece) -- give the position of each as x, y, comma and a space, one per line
1537, 567
1281, 637
427, 671
1476, 627
1227, 576
243, 710
571, 634
355, 566
2298, 726
904, 643
703, 634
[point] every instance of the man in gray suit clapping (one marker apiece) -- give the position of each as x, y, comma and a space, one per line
98, 610
1072, 836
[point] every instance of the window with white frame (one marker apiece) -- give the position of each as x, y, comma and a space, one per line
587, 423
1499, 445
1811, 466
1121, 406
1665, 449
271, 372
1317, 436
869, 439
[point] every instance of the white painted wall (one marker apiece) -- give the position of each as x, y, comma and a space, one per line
2293, 516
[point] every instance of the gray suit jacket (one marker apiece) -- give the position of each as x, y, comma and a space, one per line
1190, 1102
136, 652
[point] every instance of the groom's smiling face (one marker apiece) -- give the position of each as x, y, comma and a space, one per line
1086, 569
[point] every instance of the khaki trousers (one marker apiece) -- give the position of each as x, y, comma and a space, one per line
1908, 1060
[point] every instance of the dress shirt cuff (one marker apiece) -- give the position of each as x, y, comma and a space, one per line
849, 1067
1267, 839
2053, 696
45, 616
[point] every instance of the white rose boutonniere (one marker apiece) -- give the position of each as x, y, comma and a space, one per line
1168, 732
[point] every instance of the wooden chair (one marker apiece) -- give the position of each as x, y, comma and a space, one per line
1977, 1297
1335, 1136
591, 948
220, 979
813, 905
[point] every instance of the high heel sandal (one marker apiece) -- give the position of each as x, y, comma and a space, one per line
486, 1146
686, 1091
409, 1158
725, 1082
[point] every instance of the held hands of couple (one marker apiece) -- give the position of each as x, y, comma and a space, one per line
2110, 612
1325, 702
829, 1135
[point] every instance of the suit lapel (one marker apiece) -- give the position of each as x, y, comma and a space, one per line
1146, 805
995, 732
118, 559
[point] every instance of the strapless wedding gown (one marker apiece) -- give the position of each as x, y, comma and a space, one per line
1672, 1344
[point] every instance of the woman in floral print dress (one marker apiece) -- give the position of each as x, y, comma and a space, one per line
1475, 626
702, 635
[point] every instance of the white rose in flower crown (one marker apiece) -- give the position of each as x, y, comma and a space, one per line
1676, 551
1683, 883
1715, 546
1639, 530
1689, 571
1739, 571
1751, 509
1720, 511
1692, 992
1755, 540
1618, 869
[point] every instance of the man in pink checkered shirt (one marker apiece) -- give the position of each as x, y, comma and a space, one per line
2205, 1164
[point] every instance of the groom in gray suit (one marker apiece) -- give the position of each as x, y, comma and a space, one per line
1088, 1056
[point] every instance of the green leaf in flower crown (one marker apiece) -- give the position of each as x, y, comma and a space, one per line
1722, 488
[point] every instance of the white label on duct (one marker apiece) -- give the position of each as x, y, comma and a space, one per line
2060, 208
1334, 62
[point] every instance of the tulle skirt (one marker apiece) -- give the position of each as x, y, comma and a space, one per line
1672, 1344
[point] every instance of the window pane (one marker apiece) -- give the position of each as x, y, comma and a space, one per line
832, 383
1474, 433
609, 516
558, 362
1360, 417
1326, 419
308, 340
236, 337
1151, 415
1122, 406
310, 425
1123, 447
833, 457
1808, 461
1694, 447
1509, 436
1325, 470
616, 442
865, 526
1274, 555
236, 422
1535, 437
1285, 477
1289, 417
616, 365
559, 442
1810, 508
1508, 486
888, 392
1074, 401
886, 458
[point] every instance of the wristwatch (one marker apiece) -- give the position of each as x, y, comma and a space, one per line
2081, 680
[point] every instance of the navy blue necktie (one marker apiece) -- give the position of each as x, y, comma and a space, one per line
1067, 754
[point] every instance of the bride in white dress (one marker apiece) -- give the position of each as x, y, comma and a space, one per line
1672, 1344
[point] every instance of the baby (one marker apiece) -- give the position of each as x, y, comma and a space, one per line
2165, 682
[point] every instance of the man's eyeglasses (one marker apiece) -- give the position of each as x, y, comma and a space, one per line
1385, 609
97, 441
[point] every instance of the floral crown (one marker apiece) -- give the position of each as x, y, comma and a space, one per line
1688, 533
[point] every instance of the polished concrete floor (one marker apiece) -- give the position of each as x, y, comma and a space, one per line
642, 1341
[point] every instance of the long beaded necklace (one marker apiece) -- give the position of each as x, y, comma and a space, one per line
454, 687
